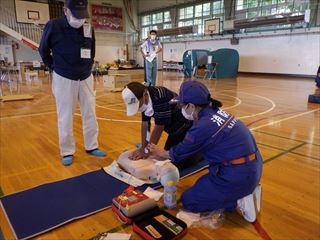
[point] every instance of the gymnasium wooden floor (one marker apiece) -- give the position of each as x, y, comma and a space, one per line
284, 124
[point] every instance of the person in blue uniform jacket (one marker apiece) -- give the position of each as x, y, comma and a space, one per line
235, 163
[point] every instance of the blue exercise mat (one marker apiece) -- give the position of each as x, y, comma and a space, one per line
48, 206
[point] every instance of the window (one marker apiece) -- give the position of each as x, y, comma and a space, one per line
186, 12
198, 11
244, 4
145, 32
195, 13
157, 18
283, 9
167, 17
253, 8
202, 10
268, 2
240, 5
146, 20
206, 9
217, 7
189, 12
252, 14
252, 3
199, 22
167, 25
154, 21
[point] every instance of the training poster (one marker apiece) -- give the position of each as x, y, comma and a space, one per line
107, 18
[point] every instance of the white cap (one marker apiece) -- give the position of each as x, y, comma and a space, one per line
131, 101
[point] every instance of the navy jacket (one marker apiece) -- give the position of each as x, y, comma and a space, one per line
60, 48
233, 141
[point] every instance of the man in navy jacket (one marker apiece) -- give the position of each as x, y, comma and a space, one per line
67, 47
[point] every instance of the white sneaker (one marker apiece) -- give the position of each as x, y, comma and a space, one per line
247, 208
257, 197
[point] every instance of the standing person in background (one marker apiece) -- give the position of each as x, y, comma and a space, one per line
149, 50
68, 48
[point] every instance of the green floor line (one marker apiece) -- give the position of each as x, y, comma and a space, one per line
283, 153
1, 235
270, 146
282, 149
303, 155
123, 226
271, 134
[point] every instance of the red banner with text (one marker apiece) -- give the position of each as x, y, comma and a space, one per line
107, 18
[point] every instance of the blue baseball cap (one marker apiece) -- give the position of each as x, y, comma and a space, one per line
78, 8
193, 92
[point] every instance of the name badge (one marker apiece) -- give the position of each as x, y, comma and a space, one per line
87, 32
85, 53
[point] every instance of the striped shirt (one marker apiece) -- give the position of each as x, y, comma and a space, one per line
165, 114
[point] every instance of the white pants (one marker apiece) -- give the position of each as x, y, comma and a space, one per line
67, 93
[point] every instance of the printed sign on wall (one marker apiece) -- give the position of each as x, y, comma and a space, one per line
107, 18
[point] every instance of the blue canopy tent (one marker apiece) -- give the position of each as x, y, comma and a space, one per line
193, 60
227, 63
221, 63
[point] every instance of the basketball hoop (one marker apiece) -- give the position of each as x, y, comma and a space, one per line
212, 26
34, 17
35, 21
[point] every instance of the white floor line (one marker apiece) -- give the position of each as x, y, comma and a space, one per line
284, 119
273, 105
116, 104
47, 113
28, 115
113, 120
233, 106
117, 110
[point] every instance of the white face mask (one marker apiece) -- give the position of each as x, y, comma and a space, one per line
74, 22
143, 108
186, 115
153, 37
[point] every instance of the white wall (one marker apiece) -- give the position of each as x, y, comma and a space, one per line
6, 52
26, 54
110, 45
23, 53
295, 54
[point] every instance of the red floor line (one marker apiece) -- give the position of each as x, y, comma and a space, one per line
260, 230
